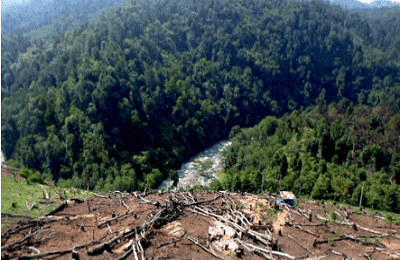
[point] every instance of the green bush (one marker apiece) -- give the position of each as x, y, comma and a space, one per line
333, 216
215, 185
35, 177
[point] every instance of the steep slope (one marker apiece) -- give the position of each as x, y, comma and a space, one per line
121, 101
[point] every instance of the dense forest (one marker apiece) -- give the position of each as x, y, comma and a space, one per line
327, 152
121, 100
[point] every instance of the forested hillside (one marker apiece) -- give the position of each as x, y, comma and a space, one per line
328, 152
122, 100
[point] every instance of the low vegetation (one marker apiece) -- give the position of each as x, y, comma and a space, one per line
16, 193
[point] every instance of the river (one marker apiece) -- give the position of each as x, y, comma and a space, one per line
189, 172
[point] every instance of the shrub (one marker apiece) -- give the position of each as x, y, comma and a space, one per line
389, 219
333, 216
35, 177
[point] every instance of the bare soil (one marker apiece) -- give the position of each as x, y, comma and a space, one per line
176, 226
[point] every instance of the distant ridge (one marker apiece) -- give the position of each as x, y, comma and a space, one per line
354, 4
383, 3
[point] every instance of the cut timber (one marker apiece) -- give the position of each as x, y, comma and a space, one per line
306, 231
114, 218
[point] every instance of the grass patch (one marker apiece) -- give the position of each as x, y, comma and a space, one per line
15, 193
274, 212
238, 206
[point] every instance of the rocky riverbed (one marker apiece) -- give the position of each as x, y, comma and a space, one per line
208, 162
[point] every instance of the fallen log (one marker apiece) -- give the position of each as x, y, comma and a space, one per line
46, 201
124, 256
58, 209
61, 252
7, 247
342, 254
77, 200
29, 225
139, 245
102, 196
271, 251
45, 254
134, 251
261, 227
349, 237
15, 216
306, 231
205, 249
364, 241
107, 245
114, 218
204, 201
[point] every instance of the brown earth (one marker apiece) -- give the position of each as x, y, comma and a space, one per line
10, 173
176, 226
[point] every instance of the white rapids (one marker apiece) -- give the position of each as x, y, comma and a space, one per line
189, 173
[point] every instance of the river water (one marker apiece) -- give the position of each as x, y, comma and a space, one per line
212, 162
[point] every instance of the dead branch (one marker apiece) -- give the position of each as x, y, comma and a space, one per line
107, 245
303, 214
75, 255
168, 242
77, 200
34, 249
270, 251
58, 209
30, 206
309, 232
114, 218
126, 254
126, 206
46, 201
28, 225
308, 225
134, 251
45, 193
364, 241
342, 254
7, 247
45, 254
102, 196
61, 252
15, 216
202, 202
205, 249
139, 244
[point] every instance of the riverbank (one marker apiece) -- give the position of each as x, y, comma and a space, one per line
207, 163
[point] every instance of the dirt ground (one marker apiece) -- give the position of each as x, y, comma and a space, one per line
177, 225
